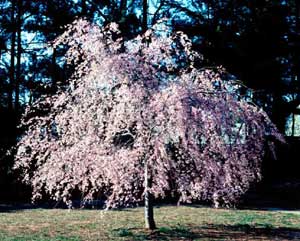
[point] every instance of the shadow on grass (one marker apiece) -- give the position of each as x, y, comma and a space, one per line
210, 232
77, 204
6, 208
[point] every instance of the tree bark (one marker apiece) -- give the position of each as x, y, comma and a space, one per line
122, 11
83, 8
149, 217
54, 71
19, 53
296, 53
12, 56
145, 16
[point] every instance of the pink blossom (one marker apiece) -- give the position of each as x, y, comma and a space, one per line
125, 109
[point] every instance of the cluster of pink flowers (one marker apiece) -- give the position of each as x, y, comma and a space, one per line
132, 104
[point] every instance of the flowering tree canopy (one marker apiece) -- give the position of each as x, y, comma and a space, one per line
139, 117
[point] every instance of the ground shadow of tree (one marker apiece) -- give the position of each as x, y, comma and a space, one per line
211, 232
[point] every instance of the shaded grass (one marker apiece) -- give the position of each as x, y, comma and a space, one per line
175, 223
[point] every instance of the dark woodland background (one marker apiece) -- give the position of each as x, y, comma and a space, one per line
257, 41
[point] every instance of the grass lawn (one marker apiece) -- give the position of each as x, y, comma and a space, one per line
174, 223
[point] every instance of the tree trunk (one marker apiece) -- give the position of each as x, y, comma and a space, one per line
145, 16
12, 56
83, 8
19, 53
149, 217
122, 11
296, 53
53, 71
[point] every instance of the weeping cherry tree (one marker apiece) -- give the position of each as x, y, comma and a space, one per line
140, 121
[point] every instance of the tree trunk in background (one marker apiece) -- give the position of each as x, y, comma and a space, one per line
123, 11
83, 8
53, 70
149, 217
12, 56
145, 16
297, 14
19, 53
296, 53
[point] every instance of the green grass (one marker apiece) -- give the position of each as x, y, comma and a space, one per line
174, 223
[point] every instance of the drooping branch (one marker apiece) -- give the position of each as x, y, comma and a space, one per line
124, 103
